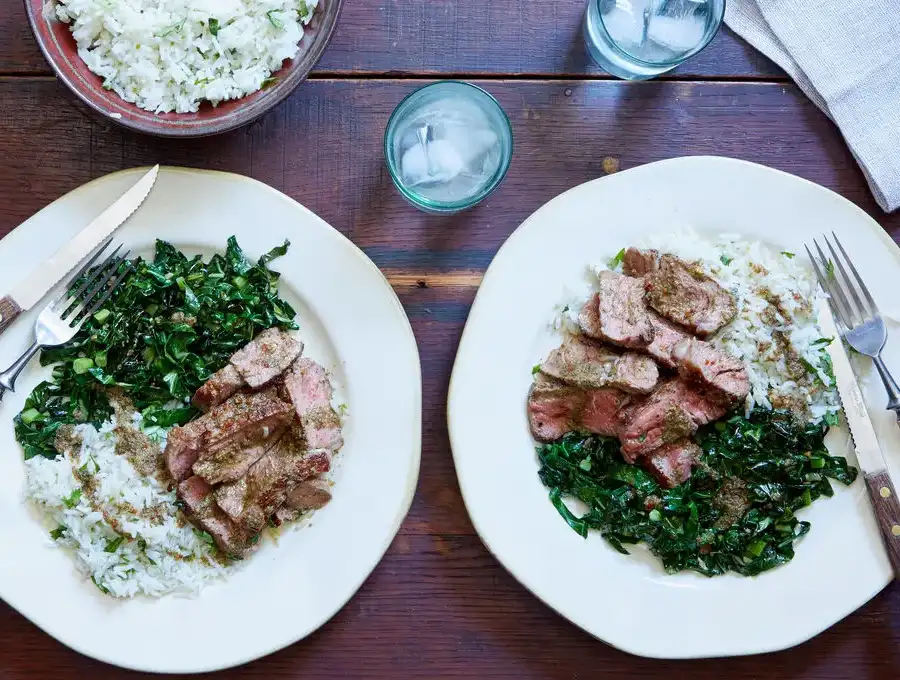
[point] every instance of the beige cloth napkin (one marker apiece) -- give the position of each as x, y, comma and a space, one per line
845, 55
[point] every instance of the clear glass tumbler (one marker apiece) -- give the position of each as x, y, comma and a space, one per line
448, 145
641, 39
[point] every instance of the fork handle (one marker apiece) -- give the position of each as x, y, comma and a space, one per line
893, 390
8, 377
887, 513
9, 312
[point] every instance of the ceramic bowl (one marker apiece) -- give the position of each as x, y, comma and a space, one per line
56, 42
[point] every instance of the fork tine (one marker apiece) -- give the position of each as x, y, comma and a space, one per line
823, 281
872, 307
834, 291
845, 282
91, 296
89, 281
113, 284
81, 272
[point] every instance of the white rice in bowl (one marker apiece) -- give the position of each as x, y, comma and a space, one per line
171, 55
778, 304
126, 532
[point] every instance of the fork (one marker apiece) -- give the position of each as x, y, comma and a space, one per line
864, 329
61, 320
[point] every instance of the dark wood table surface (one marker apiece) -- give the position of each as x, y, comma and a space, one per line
439, 605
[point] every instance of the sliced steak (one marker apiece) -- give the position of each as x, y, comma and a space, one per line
602, 411
617, 314
666, 336
183, 446
268, 355
673, 463
243, 418
639, 263
635, 374
724, 376
673, 412
581, 362
310, 391
253, 499
687, 296
201, 509
554, 408
230, 463
220, 386
310, 495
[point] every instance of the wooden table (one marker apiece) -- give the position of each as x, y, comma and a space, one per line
439, 605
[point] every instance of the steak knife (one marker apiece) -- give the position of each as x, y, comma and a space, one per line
868, 451
50, 272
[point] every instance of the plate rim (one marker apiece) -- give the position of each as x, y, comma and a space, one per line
529, 584
412, 477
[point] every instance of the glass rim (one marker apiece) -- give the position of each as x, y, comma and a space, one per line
720, 19
447, 206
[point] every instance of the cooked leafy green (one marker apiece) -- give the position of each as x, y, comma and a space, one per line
736, 512
171, 324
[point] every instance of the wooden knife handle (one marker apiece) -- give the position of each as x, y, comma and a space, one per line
9, 312
887, 512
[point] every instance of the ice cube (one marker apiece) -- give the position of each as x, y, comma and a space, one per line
472, 145
624, 25
442, 163
677, 34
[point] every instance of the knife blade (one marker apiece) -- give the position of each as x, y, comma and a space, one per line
868, 451
41, 281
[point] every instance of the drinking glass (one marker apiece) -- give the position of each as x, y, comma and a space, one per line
448, 145
641, 39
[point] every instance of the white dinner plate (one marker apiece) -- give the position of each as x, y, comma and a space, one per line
628, 600
350, 320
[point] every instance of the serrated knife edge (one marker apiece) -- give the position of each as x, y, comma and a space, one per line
48, 275
868, 450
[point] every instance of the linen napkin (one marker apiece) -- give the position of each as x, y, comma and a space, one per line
845, 56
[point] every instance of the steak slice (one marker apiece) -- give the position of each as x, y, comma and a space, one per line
724, 376
616, 313
251, 500
687, 296
220, 386
201, 509
230, 463
310, 495
310, 391
639, 263
584, 363
554, 408
265, 357
243, 418
666, 336
673, 412
673, 463
602, 411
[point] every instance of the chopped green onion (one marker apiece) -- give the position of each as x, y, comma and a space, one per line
31, 415
72, 499
274, 20
113, 545
756, 548
82, 365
